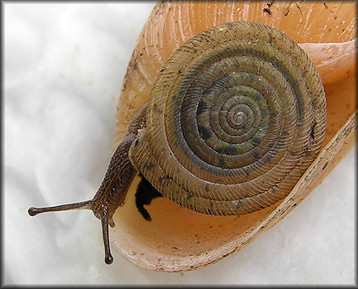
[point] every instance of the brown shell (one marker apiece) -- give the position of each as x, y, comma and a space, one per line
235, 117
329, 43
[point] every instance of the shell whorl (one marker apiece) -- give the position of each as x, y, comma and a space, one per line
234, 118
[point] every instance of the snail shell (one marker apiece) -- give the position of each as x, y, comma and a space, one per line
203, 239
234, 118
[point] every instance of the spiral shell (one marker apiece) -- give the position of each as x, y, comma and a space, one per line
235, 117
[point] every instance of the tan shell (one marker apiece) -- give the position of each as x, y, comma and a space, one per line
330, 44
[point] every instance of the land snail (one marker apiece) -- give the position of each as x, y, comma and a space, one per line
234, 118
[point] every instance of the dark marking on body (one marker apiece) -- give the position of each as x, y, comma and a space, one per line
218, 83
202, 106
228, 150
255, 142
204, 132
144, 196
256, 155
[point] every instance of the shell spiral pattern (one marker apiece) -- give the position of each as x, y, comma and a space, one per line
235, 117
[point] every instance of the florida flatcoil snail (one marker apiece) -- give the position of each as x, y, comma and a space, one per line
234, 118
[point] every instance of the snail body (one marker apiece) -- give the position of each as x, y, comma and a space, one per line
263, 137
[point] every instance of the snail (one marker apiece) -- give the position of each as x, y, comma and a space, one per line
142, 148
234, 118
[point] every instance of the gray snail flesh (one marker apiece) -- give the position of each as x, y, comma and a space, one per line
234, 118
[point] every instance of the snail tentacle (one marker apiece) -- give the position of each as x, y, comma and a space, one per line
113, 190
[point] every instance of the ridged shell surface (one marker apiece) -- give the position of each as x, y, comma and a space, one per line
235, 117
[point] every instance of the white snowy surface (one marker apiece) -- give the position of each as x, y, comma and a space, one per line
64, 66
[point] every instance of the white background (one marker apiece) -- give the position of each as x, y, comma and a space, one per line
64, 66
